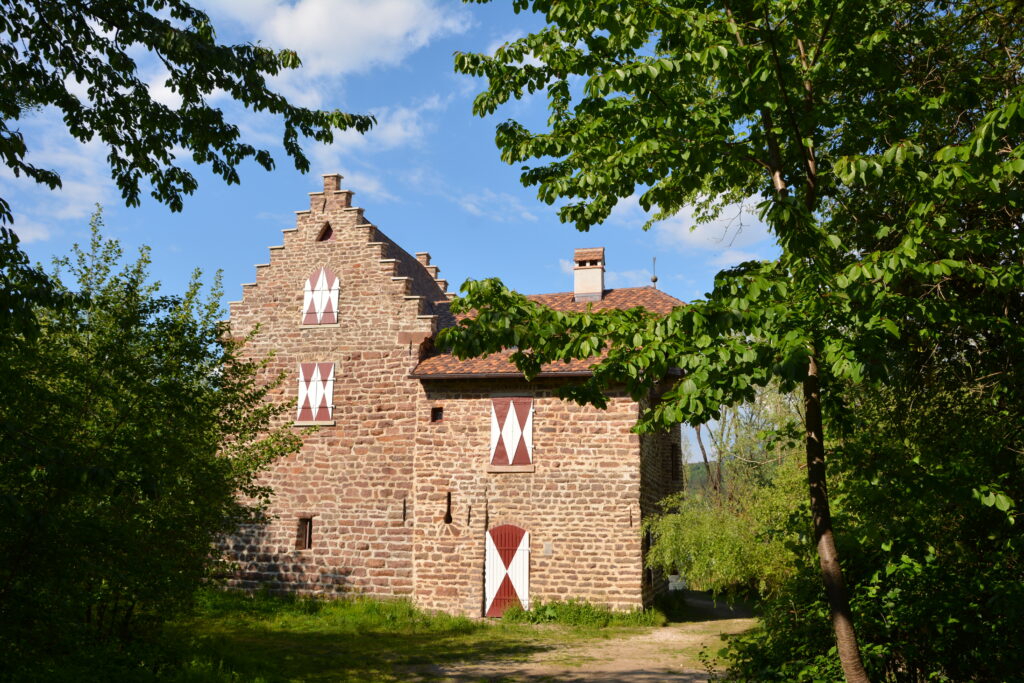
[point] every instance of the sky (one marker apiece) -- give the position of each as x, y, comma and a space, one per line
428, 175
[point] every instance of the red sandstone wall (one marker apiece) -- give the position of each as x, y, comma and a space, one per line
582, 499
355, 477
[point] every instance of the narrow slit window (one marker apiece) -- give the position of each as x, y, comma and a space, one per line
448, 511
436, 414
304, 534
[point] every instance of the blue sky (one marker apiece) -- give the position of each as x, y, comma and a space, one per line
429, 175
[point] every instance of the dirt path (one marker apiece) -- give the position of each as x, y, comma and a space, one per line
661, 654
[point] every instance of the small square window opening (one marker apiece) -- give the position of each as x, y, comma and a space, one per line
436, 414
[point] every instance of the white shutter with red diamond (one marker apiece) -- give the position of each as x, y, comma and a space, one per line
512, 430
506, 569
320, 298
316, 392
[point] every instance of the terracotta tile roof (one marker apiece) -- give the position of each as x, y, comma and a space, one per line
654, 300
447, 366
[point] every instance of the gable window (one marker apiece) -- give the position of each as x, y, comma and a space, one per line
320, 298
316, 393
512, 432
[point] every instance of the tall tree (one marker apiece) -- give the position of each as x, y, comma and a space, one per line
884, 141
47, 46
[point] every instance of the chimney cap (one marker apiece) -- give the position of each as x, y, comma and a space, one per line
587, 255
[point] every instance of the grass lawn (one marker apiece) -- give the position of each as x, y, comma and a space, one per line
240, 638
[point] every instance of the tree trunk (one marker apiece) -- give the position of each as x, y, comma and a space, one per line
828, 556
707, 465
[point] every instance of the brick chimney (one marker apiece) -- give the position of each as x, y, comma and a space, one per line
588, 274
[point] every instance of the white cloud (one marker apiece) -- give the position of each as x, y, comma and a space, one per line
79, 89
529, 58
565, 265
396, 127
336, 37
735, 228
160, 91
628, 278
367, 185
29, 230
627, 211
737, 233
496, 206
403, 125
85, 178
731, 257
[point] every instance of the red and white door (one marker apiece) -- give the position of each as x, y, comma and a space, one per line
506, 569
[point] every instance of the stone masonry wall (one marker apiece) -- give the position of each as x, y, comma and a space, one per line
658, 478
581, 504
355, 477
375, 482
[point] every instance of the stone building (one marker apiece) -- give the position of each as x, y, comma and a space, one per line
454, 482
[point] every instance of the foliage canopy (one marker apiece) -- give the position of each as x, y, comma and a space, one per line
888, 168
51, 51
885, 142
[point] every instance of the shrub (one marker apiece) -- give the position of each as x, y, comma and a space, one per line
131, 436
582, 613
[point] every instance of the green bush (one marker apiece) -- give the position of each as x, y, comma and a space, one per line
581, 613
132, 433
926, 498
730, 538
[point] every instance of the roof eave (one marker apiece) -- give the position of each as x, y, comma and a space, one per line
497, 375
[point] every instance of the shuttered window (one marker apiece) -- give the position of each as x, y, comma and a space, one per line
511, 430
316, 392
320, 298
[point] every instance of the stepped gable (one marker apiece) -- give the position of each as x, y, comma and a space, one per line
413, 277
447, 366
